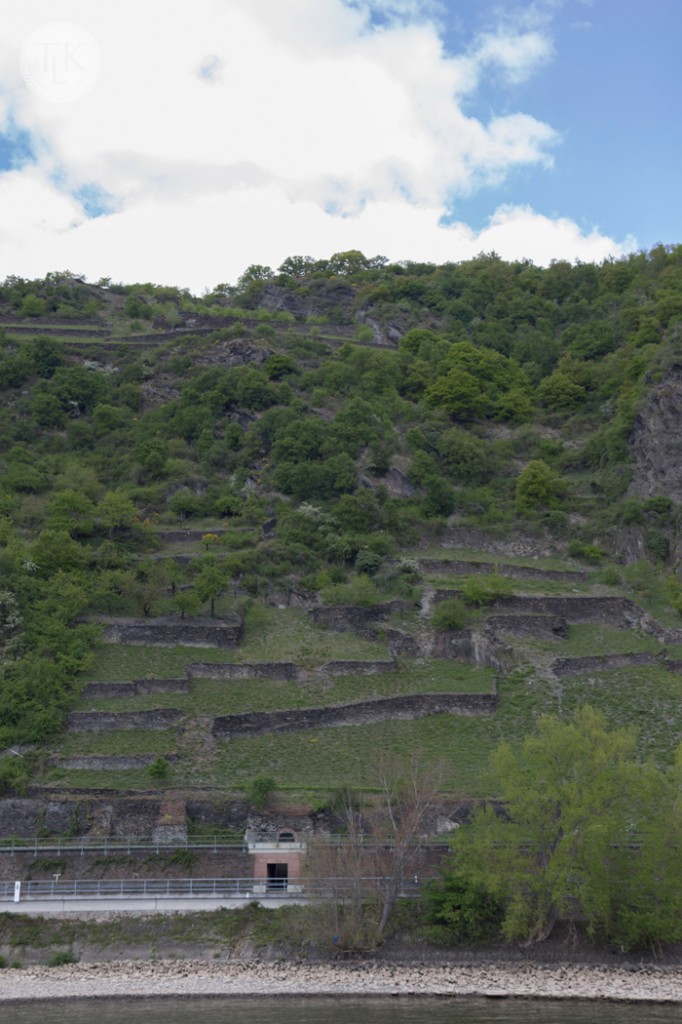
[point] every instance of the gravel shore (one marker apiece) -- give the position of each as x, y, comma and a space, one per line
196, 978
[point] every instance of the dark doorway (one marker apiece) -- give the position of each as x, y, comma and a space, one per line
278, 876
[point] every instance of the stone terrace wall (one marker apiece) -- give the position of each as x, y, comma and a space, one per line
617, 611
479, 540
105, 721
106, 763
513, 571
349, 618
251, 670
599, 662
361, 713
137, 686
358, 668
529, 625
171, 632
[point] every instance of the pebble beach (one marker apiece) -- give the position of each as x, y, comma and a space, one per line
644, 983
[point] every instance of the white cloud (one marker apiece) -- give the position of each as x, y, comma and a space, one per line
254, 129
517, 54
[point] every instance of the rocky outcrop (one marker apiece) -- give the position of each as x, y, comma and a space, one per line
656, 440
474, 648
401, 643
366, 712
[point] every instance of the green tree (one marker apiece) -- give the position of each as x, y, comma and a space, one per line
538, 486
116, 512
209, 584
581, 831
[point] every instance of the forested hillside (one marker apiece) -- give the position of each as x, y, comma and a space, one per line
349, 462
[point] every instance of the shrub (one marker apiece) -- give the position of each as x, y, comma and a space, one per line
158, 769
587, 552
460, 910
449, 614
260, 790
62, 956
479, 591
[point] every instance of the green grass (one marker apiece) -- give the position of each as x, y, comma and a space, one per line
588, 638
442, 553
559, 588
234, 696
128, 741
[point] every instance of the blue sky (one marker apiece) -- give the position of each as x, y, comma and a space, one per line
187, 149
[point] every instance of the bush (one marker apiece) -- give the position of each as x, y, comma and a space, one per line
586, 552
459, 910
158, 769
62, 956
479, 591
260, 790
449, 614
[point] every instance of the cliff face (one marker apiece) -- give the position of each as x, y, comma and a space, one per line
656, 441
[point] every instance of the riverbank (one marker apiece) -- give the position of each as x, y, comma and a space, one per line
646, 983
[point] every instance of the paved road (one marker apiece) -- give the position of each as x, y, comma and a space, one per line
142, 905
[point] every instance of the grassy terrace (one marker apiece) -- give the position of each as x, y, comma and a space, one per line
272, 634
234, 696
647, 697
444, 553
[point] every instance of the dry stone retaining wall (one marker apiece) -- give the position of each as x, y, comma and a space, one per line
358, 668
106, 721
137, 686
171, 632
599, 662
478, 540
529, 625
251, 670
361, 713
102, 763
618, 611
513, 571
350, 618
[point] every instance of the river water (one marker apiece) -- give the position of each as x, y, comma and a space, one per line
311, 1010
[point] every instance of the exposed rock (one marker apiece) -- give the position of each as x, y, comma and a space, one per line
472, 647
656, 440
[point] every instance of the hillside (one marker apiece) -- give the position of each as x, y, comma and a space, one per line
340, 510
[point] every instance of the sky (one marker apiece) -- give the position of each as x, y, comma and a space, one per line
180, 143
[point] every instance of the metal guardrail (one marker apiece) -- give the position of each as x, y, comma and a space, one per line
114, 844
127, 844
190, 888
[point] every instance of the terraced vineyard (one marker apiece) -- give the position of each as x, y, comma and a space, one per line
293, 541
